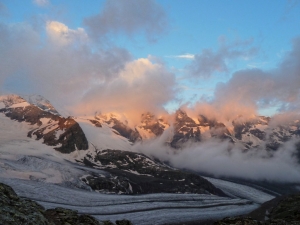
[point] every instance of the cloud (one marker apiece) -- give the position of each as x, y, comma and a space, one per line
222, 159
61, 73
41, 3
242, 95
249, 90
128, 17
78, 76
61, 34
208, 62
183, 56
254, 87
140, 87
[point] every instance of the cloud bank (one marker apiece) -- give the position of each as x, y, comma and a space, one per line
54, 67
222, 159
251, 89
140, 87
67, 69
129, 17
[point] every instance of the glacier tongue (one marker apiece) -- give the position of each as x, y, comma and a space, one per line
141, 209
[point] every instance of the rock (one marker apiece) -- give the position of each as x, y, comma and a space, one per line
22, 211
135, 173
107, 222
287, 210
238, 221
61, 216
284, 210
70, 138
123, 222
18, 211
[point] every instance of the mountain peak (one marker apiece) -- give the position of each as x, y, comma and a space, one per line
40, 102
12, 99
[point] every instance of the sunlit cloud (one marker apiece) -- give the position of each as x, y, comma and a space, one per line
54, 67
221, 158
61, 34
250, 89
140, 87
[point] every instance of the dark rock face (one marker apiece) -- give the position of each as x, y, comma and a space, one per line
22, 211
70, 138
123, 222
150, 122
124, 130
96, 123
17, 211
288, 209
185, 129
284, 210
135, 173
61, 216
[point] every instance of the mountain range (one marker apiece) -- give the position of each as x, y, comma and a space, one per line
98, 153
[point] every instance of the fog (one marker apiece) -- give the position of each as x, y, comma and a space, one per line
223, 159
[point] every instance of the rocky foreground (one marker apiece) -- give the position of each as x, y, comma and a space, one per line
22, 211
283, 210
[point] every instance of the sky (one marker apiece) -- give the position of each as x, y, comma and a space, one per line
222, 57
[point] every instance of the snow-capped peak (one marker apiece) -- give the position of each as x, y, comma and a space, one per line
40, 102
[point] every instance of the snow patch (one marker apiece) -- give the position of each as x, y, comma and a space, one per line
20, 105
2, 105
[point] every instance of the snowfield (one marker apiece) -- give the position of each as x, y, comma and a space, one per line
102, 137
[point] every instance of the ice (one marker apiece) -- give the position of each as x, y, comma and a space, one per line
140, 209
241, 191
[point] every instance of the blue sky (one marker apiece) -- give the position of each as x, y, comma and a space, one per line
201, 43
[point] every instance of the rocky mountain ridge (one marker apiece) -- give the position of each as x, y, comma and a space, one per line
112, 171
64, 134
257, 132
247, 134
135, 173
